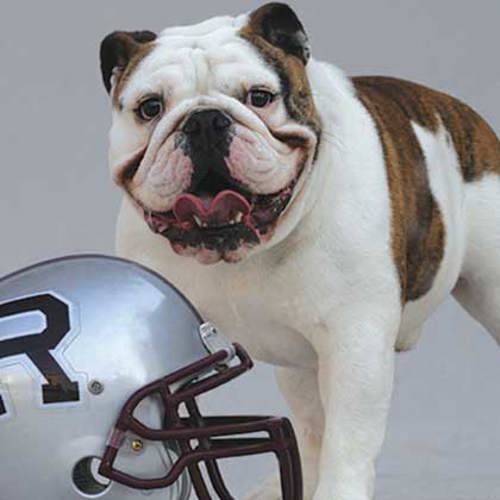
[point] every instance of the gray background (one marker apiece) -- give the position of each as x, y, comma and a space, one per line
56, 197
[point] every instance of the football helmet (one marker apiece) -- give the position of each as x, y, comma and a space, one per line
101, 362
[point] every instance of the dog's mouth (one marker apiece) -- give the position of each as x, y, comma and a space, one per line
220, 217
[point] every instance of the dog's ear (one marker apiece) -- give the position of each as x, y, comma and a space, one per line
279, 25
117, 49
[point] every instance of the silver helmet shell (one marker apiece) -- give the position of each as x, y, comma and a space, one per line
78, 335
101, 362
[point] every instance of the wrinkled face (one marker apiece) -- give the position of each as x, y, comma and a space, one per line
214, 130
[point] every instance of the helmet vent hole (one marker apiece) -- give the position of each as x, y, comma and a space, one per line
87, 479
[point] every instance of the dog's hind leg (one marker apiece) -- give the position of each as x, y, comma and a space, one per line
481, 299
478, 289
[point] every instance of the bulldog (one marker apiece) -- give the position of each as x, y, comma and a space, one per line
316, 218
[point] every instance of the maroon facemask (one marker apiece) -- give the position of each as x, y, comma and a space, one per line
215, 437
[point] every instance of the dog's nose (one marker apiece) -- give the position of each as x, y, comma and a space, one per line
207, 126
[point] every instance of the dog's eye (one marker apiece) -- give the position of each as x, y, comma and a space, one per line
260, 98
151, 108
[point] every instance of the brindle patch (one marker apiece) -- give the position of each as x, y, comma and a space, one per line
294, 82
142, 51
418, 231
123, 51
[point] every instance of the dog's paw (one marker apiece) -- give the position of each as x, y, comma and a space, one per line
270, 490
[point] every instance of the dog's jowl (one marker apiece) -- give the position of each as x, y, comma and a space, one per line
318, 219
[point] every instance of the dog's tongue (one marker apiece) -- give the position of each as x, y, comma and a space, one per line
223, 208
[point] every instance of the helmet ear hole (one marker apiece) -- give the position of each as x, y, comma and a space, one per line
87, 480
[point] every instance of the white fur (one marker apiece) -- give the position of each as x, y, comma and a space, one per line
323, 300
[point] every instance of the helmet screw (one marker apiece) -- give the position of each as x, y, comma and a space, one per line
137, 445
95, 387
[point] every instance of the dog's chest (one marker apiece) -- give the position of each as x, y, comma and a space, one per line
256, 306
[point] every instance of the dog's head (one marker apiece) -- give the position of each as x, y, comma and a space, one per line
214, 128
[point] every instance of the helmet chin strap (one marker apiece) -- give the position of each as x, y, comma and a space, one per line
215, 341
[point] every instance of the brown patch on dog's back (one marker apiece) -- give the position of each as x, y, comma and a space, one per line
418, 232
476, 144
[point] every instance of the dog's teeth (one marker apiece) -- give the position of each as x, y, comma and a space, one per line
197, 220
204, 224
239, 217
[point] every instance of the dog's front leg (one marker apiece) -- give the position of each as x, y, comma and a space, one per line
356, 366
300, 389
